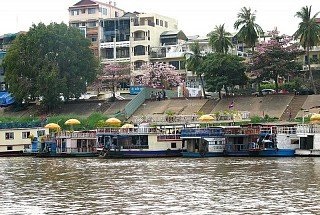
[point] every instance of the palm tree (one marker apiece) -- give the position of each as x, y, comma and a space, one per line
249, 31
308, 32
193, 62
220, 40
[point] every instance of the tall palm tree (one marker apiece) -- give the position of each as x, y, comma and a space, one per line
220, 39
308, 32
193, 62
249, 29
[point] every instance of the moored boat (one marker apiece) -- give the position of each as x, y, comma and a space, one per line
15, 137
140, 142
239, 138
67, 144
309, 140
274, 141
203, 142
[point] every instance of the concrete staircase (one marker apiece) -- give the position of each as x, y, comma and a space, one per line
293, 107
209, 106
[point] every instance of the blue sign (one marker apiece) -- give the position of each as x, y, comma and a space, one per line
134, 90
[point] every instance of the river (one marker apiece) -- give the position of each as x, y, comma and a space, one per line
160, 186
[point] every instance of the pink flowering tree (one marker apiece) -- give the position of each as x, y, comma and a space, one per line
159, 75
276, 58
111, 76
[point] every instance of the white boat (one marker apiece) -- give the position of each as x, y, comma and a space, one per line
309, 140
140, 142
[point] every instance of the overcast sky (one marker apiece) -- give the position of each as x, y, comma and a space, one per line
196, 17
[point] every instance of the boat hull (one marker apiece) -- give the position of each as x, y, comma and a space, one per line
202, 155
140, 154
65, 155
237, 154
307, 153
14, 154
273, 153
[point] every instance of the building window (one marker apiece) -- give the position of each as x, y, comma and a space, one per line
175, 64
83, 10
93, 39
74, 12
166, 24
173, 145
157, 21
92, 24
25, 135
161, 23
9, 135
91, 11
104, 11
9, 148
116, 14
41, 133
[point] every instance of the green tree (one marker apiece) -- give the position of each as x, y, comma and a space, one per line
220, 39
223, 70
276, 58
193, 63
249, 29
47, 62
308, 33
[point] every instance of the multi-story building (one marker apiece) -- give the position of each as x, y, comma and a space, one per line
86, 15
130, 38
5, 42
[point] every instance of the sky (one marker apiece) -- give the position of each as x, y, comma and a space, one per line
198, 17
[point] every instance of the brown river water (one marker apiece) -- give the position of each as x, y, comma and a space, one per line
160, 186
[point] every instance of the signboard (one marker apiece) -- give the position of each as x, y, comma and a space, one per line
134, 90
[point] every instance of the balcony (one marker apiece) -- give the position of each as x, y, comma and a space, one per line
139, 38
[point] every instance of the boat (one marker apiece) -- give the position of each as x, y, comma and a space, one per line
273, 141
239, 138
203, 142
16, 137
143, 141
309, 140
66, 144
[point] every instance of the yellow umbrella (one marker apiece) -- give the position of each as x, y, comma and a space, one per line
315, 119
206, 118
113, 121
72, 122
52, 126
127, 126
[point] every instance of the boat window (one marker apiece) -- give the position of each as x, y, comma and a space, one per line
9, 135
173, 145
25, 135
9, 148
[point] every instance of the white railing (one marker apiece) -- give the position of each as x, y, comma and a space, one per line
136, 130
308, 129
287, 130
76, 135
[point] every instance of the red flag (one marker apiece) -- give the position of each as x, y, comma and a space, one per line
231, 104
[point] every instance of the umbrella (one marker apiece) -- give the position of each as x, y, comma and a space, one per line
127, 126
206, 118
113, 121
72, 122
52, 126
